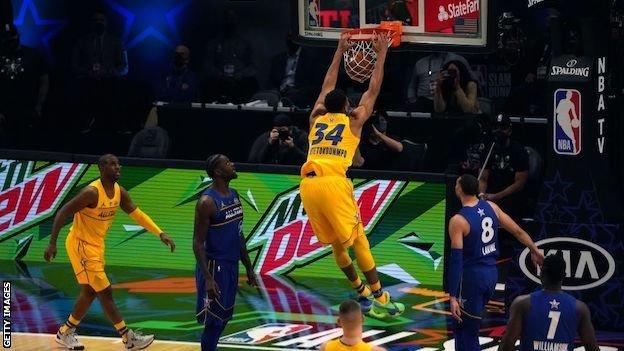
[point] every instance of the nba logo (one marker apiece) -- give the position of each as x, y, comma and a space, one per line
264, 333
314, 13
567, 122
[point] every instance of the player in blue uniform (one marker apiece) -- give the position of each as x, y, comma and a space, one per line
218, 243
549, 319
474, 248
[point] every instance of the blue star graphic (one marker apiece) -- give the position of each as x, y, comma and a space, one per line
586, 212
53, 26
149, 21
557, 188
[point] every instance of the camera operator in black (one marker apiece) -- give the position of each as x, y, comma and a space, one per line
284, 144
456, 90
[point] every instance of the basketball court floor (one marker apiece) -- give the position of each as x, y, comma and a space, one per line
283, 313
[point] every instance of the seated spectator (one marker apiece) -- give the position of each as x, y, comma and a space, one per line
284, 144
230, 75
378, 150
290, 74
422, 85
469, 146
24, 86
507, 170
180, 84
455, 90
98, 61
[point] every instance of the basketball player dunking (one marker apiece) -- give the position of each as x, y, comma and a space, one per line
326, 192
549, 319
94, 209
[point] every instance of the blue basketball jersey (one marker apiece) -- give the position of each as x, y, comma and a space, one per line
551, 324
223, 239
481, 244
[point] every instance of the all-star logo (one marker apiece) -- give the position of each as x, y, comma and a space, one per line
284, 236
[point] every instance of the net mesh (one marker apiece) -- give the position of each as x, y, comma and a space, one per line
360, 58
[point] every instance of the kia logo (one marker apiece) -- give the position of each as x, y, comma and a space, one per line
587, 264
571, 63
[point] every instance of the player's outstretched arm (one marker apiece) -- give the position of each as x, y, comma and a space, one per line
514, 326
367, 102
204, 209
586, 329
128, 206
458, 226
378, 348
511, 226
85, 198
329, 83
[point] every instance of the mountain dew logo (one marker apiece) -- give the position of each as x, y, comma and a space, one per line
28, 197
284, 235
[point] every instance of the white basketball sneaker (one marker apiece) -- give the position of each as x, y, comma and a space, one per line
137, 341
69, 340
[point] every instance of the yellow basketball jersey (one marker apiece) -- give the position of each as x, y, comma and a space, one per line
331, 146
337, 345
92, 224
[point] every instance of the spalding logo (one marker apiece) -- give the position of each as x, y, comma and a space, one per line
587, 264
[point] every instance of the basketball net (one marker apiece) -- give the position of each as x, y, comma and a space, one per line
360, 57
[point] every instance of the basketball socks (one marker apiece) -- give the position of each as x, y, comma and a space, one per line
361, 288
122, 330
70, 323
378, 293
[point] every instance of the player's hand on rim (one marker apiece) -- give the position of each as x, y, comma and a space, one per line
167, 241
344, 43
50, 252
381, 41
455, 310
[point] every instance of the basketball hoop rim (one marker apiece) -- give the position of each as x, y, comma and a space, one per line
366, 34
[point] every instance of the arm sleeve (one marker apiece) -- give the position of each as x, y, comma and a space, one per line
145, 221
455, 272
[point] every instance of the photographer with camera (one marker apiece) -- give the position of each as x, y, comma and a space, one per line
456, 90
284, 144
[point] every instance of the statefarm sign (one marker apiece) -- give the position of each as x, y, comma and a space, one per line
284, 235
35, 196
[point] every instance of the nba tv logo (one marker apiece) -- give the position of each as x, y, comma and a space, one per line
567, 122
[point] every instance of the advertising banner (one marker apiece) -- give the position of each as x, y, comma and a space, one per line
404, 220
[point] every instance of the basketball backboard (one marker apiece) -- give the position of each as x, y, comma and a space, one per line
457, 23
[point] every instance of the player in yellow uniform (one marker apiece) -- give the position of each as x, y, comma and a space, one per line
350, 319
326, 192
94, 210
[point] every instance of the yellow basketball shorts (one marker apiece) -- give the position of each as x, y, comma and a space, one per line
331, 209
87, 260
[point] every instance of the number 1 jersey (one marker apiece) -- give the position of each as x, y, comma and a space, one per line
551, 323
331, 146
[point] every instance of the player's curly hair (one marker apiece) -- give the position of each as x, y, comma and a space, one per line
553, 270
211, 164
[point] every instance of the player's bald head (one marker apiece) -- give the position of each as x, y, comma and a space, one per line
106, 159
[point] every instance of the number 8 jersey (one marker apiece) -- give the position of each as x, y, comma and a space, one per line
331, 146
481, 244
